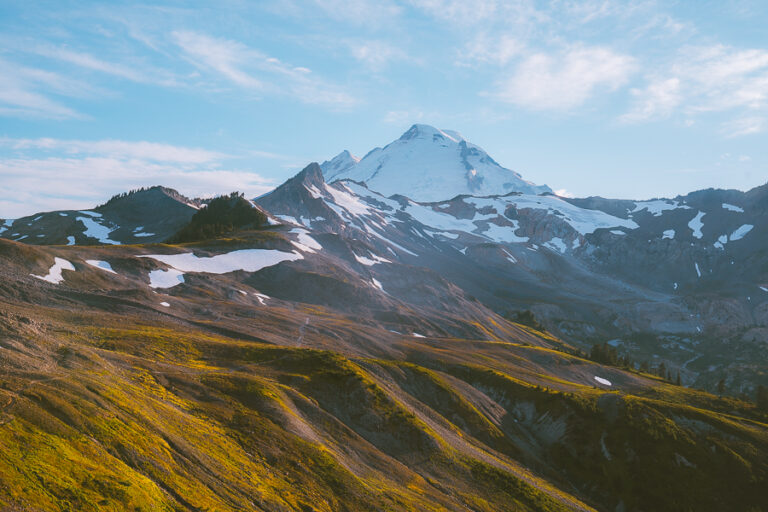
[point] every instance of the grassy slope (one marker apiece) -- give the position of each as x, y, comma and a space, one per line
114, 403
122, 415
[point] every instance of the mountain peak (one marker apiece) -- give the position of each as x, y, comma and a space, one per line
428, 132
429, 164
338, 164
310, 175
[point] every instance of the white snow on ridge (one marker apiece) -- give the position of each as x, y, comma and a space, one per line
54, 273
603, 381
583, 220
428, 164
696, 224
739, 233
721, 241
95, 230
165, 278
658, 206
373, 260
670, 234
346, 199
103, 265
556, 244
249, 260
733, 208
305, 243
503, 233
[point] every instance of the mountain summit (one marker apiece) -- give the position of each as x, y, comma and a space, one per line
428, 164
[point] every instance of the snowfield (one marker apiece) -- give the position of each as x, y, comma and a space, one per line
696, 224
165, 278
54, 273
95, 230
103, 265
249, 260
658, 206
739, 233
432, 165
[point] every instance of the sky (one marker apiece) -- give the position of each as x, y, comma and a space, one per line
623, 99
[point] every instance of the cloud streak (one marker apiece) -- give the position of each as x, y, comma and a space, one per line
48, 174
566, 80
257, 72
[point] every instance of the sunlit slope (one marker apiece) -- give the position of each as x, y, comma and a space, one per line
116, 411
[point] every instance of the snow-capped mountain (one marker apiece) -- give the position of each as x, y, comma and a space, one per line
685, 273
428, 164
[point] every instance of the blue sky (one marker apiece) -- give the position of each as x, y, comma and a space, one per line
629, 99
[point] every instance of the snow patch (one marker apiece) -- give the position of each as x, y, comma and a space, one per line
305, 243
739, 233
658, 206
165, 278
70, 240
733, 208
556, 244
670, 234
603, 381
95, 230
373, 260
249, 260
696, 224
103, 265
54, 273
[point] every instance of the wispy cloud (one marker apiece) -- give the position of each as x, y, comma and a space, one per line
708, 79
253, 70
46, 174
118, 149
361, 12
376, 54
658, 99
26, 92
472, 12
566, 80
220, 55
744, 126
491, 49
134, 73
